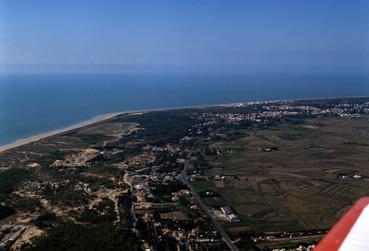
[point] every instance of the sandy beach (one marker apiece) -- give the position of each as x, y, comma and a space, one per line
22, 142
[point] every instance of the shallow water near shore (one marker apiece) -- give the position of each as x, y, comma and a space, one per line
32, 104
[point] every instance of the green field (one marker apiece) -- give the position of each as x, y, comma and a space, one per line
201, 186
306, 184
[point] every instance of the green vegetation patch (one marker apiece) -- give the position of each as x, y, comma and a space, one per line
161, 127
96, 182
73, 237
27, 203
101, 213
201, 186
92, 139
67, 196
9, 179
47, 159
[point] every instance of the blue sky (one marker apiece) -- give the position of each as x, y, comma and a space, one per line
201, 35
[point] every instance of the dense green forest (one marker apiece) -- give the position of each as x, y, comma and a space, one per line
162, 127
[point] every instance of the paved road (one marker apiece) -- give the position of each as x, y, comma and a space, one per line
203, 206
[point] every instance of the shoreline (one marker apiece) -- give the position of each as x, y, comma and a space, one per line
21, 142
108, 116
94, 120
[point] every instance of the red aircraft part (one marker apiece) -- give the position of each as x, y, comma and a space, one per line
351, 233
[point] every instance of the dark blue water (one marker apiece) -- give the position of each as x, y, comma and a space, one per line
34, 104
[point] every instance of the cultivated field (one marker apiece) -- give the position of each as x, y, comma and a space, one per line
320, 168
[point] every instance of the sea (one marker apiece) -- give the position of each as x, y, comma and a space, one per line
32, 104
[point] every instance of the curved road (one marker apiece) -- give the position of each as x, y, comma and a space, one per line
203, 206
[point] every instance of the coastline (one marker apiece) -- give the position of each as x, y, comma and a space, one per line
96, 119
21, 142
108, 116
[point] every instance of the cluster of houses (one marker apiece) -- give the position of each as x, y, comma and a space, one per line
284, 109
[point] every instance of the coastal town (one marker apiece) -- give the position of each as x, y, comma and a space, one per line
155, 176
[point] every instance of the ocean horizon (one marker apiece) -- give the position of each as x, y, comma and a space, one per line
34, 104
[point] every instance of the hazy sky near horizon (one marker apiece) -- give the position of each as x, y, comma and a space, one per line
184, 34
